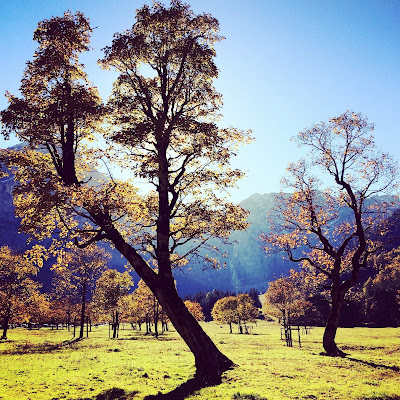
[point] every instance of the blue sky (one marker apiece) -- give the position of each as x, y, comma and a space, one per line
285, 64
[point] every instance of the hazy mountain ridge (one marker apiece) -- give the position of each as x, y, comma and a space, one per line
246, 264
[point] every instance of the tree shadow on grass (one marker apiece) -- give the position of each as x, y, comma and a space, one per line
149, 337
374, 365
184, 390
179, 393
33, 348
112, 394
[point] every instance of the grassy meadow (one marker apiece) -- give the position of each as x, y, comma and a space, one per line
45, 364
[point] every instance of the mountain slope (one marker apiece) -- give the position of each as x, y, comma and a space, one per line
246, 264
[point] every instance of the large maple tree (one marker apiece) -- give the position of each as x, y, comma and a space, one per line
160, 126
341, 196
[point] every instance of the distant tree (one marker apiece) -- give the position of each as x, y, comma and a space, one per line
62, 310
285, 300
111, 287
327, 228
75, 274
17, 287
38, 308
235, 309
208, 299
195, 309
128, 310
225, 311
246, 310
146, 307
139, 310
163, 118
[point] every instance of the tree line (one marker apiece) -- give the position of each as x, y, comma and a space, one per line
85, 290
208, 299
374, 302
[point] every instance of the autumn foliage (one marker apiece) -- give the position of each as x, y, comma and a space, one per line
18, 291
238, 309
162, 117
343, 174
195, 309
287, 299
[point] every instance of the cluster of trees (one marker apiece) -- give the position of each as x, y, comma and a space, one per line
19, 293
160, 125
381, 292
83, 288
208, 299
238, 310
303, 299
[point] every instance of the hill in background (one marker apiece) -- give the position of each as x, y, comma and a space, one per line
246, 265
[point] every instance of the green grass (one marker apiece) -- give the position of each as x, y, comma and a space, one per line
45, 364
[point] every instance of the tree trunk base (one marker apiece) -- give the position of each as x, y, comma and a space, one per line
334, 352
198, 382
211, 375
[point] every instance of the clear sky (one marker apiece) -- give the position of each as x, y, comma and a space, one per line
285, 64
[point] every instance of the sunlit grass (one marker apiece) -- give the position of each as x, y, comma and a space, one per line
45, 364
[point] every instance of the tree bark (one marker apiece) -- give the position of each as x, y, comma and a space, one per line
115, 325
155, 317
209, 361
6, 321
83, 310
332, 324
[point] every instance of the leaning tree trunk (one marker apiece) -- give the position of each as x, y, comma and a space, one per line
210, 362
332, 325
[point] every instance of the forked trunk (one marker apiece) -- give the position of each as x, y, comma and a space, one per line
332, 324
210, 362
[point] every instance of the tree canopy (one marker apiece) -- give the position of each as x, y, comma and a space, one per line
286, 300
235, 309
17, 288
75, 274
